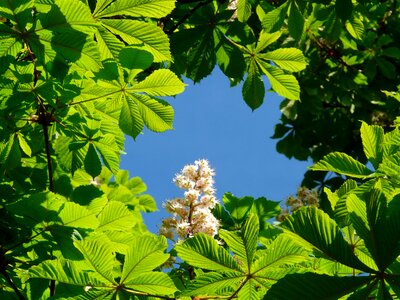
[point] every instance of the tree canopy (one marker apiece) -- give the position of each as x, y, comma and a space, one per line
78, 77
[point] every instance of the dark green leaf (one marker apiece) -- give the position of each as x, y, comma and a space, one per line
311, 286
253, 88
237, 207
344, 9
296, 21
92, 162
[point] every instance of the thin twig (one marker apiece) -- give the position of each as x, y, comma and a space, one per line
45, 124
48, 148
187, 16
11, 283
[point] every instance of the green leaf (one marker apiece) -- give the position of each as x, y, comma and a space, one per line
343, 164
295, 21
75, 215
138, 8
238, 207
202, 251
115, 216
65, 47
251, 290
253, 88
154, 283
317, 228
101, 5
267, 39
130, 120
274, 20
92, 162
392, 52
65, 14
390, 167
147, 203
372, 139
109, 151
283, 251
244, 10
265, 210
5, 149
65, 271
311, 286
201, 58
344, 9
98, 257
147, 36
157, 114
145, 254
290, 59
386, 67
229, 58
355, 27
332, 197
109, 45
284, 84
383, 225
211, 283
24, 145
244, 242
136, 185
134, 59
160, 83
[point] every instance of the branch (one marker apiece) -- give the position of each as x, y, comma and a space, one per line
45, 119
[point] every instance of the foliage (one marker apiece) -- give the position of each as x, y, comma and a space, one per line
77, 76
350, 54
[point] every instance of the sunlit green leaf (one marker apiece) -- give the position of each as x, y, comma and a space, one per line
138, 8
99, 257
74, 215
343, 164
285, 85
115, 216
145, 254
204, 252
372, 139
155, 283
244, 242
148, 36
290, 59
65, 271
317, 228
160, 83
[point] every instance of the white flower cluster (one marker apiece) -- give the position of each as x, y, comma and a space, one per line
192, 213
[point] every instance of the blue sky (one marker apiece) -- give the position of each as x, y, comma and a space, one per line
213, 122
